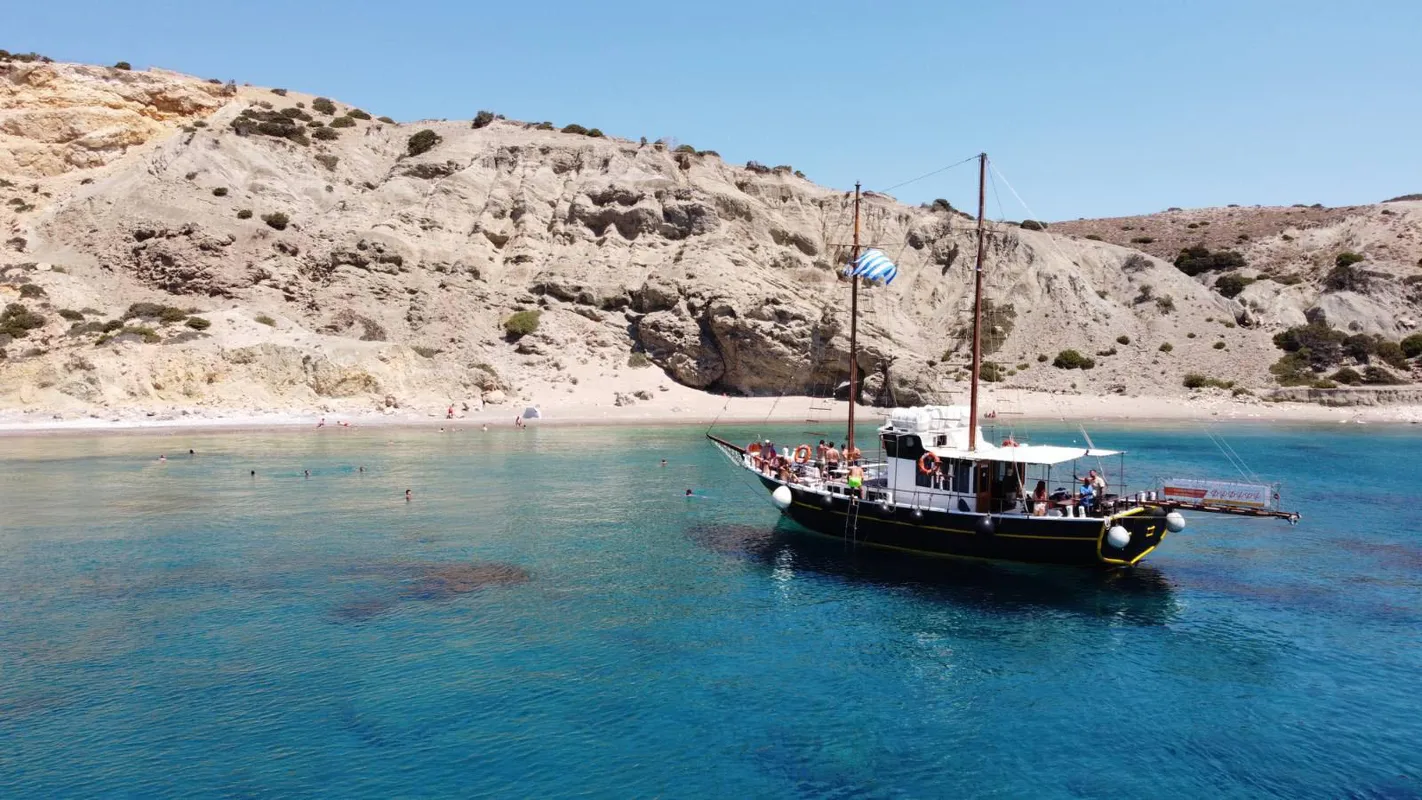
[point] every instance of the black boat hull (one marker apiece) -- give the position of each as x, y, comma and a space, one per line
1004, 537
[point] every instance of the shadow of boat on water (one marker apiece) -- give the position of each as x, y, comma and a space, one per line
1142, 595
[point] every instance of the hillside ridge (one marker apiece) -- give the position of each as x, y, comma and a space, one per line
335, 260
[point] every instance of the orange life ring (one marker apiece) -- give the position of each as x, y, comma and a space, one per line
754, 448
923, 462
802, 454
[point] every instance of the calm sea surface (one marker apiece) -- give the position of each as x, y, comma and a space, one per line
550, 617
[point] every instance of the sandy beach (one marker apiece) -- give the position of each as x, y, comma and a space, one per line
679, 405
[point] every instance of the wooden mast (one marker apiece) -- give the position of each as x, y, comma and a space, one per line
977, 307
853, 325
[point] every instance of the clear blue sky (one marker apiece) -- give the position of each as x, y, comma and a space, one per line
1089, 109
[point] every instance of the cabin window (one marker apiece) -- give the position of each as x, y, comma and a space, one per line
963, 476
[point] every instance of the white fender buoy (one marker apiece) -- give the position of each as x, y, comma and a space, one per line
782, 498
1175, 522
1118, 537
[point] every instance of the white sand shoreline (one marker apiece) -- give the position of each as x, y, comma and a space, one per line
696, 408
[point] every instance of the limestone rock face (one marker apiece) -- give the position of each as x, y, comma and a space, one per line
59, 117
336, 267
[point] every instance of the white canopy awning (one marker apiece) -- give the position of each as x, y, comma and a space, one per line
1045, 454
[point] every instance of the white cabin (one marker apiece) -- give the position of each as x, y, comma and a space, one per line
991, 477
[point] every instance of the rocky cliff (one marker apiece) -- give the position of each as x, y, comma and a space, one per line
332, 259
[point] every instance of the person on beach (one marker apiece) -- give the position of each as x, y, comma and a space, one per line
450, 413
322, 423
407, 495
485, 429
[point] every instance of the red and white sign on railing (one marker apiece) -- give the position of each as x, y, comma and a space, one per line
1217, 493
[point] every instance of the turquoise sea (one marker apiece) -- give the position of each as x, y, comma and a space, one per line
549, 616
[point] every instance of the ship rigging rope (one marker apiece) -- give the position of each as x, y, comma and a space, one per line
929, 174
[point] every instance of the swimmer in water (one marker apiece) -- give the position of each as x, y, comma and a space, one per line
162, 458
688, 493
664, 462
362, 469
308, 474
407, 495
190, 452
254, 473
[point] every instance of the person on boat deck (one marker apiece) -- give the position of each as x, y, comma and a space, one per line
1011, 485
820, 452
1086, 495
787, 474
852, 454
1039, 500
766, 457
1098, 483
855, 479
831, 456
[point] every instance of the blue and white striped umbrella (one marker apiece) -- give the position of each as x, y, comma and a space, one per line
873, 265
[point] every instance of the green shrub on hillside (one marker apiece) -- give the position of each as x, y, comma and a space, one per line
18, 321
198, 323
992, 372
325, 134
356, 113
1071, 359
1347, 376
1377, 376
422, 142
1166, 347
1123, 339
323, 105
32, 291
1412, 346
1033, 225
575, 128
1232, 284
1194, 380
277, 220
521, 323
482, 120
1197, 260
245, 213
70, 314
124, 65
342, 122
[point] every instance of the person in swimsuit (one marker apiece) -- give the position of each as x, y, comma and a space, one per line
856, 479
1039, 500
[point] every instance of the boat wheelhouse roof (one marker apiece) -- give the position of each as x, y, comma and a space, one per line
1041, 454
947, 426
